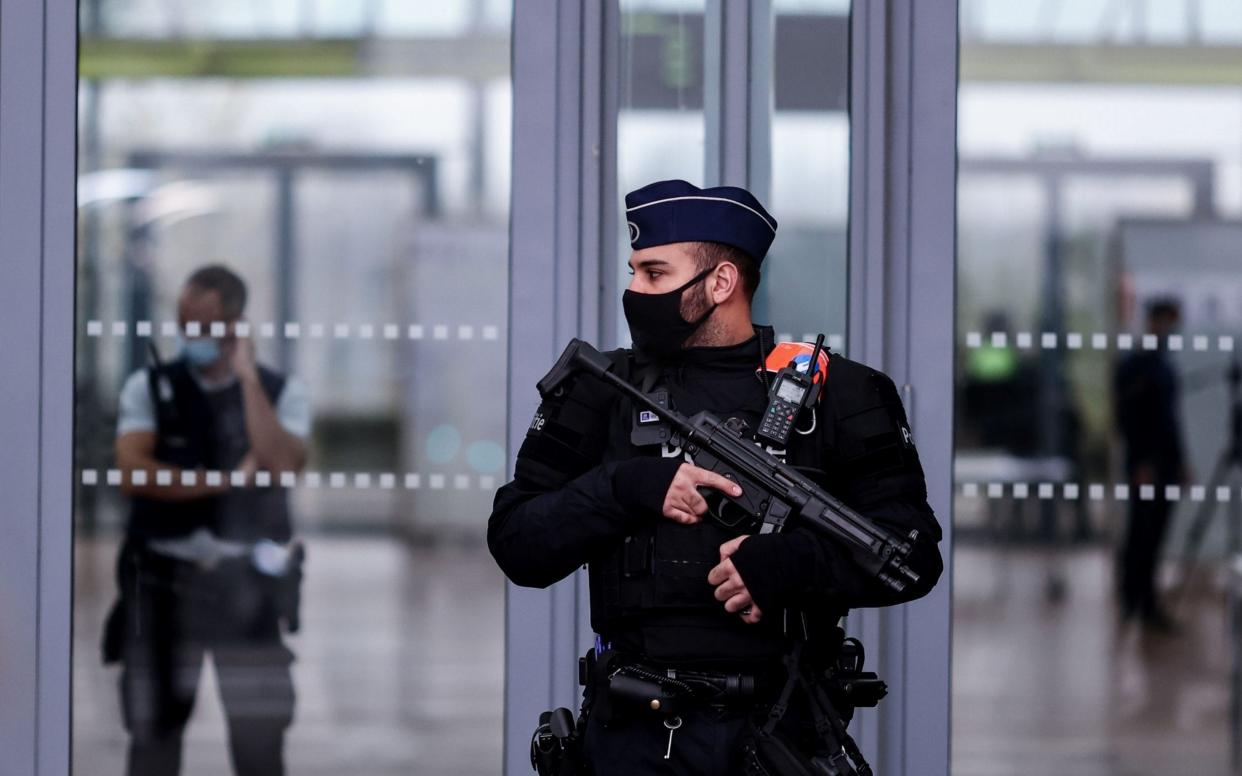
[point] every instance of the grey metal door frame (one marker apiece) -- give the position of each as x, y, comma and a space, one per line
902, 238
38, 101
903, 107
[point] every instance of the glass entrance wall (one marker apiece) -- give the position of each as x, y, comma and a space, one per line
352, 172
803, 146
804, 291
1098, 306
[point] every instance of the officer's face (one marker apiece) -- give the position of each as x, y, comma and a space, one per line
662, 268
205, 307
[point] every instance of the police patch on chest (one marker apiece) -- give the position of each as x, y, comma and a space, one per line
648, 428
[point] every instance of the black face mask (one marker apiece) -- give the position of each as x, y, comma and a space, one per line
656, 325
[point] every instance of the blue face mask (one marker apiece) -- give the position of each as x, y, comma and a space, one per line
199, 351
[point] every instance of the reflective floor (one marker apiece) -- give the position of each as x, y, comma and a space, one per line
399, 670
1048, 686
399, 666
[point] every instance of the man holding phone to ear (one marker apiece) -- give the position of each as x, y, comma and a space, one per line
208, 565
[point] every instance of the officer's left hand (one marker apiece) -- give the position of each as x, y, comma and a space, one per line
729, 585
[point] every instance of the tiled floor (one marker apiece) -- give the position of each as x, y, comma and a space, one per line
1044, 687
399, 667
400, 670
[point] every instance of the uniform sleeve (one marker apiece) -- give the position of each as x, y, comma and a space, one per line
565, 505
293, 408
135, 411
876, 471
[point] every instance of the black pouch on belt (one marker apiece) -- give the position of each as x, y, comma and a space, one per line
289, 590
615, 693
634, 696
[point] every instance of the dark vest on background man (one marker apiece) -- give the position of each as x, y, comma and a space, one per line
206, 430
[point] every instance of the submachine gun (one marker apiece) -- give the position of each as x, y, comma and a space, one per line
773, 492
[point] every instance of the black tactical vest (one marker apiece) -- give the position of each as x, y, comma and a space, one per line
196, 429
651, 595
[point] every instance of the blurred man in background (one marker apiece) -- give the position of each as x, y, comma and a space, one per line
1147, 395
208, 564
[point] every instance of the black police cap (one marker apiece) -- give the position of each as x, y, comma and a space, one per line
676, 211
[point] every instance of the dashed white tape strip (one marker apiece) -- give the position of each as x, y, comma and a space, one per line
1072, 491
1050, 340
463, 332
442, 332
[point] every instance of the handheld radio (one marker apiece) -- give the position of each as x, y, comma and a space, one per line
800, 372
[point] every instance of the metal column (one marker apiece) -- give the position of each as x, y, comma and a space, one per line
38, 73
902, 260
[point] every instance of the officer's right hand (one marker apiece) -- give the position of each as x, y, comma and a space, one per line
683, 502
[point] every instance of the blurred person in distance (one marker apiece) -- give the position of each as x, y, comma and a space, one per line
1146, 391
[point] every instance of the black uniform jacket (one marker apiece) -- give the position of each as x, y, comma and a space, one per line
580, 489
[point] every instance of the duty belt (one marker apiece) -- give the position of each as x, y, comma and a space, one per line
639, 686
206, 550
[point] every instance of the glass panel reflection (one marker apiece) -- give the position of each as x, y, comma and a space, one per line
291, 312
805, 291
661, 135
1098, 306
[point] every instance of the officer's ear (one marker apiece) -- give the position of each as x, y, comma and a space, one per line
725, 282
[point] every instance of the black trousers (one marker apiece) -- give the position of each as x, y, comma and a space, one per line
1140, 555
175, 616
707, 743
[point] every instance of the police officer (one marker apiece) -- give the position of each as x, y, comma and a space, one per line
1148, 416
670, 589
207, 566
